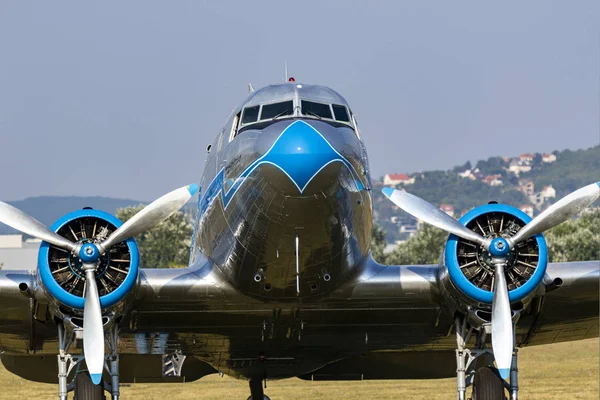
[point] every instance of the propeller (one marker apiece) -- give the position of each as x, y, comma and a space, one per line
22, 222
90, 253
570, 205
421, 209
499, 248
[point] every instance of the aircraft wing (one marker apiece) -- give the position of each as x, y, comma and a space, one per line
566, 306
569, 312
388, 315
409, 293
16, 321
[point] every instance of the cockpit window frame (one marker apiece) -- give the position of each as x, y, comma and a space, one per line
314, 116
343, 107
259, 106
236, 129
262, 105
235, 124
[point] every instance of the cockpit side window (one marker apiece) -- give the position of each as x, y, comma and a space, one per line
234, 126
341, 113
270, 111
318, 110
250, 115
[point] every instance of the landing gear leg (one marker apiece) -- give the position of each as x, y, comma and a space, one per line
514, 377
462, 353
489, 385
66, 361
112, 362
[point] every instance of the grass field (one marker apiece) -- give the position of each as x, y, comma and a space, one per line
558, 371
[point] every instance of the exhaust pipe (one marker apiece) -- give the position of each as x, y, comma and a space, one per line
26, 290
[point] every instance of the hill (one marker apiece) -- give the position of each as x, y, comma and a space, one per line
530, 181
572, 170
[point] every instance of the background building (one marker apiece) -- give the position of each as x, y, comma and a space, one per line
16, 253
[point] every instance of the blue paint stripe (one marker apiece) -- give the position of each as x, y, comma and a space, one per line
321, 152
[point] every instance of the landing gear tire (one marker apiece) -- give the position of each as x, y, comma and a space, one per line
264, 397
85, 388
487, 385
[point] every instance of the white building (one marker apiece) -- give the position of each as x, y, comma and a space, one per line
493, 180
548, 192
516, 167
396, 179
11, 241
17, 254
469, 174
526, 159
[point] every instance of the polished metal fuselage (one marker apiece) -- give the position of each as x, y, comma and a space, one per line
267, 238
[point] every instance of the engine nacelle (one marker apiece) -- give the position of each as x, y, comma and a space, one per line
467, 278
61, 274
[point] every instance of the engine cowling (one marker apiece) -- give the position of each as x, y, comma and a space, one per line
60, 271
470, 273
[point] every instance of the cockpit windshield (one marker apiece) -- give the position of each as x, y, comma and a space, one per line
286, 101
314, 109
341, 113
250, 115
270, 111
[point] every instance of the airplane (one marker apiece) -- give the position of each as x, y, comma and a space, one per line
281, 281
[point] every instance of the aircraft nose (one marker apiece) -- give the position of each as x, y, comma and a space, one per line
301, 152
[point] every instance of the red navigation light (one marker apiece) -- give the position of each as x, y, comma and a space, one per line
292, 79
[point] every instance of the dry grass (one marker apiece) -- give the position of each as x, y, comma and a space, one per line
559, 371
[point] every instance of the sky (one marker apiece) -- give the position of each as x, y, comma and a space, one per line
120, 99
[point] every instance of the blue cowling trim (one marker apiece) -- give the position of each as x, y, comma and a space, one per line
77, 302
483, 296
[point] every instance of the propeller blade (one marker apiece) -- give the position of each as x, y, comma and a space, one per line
93, 331
24, 223
559, 212
429, 213
152, 214
502, 328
